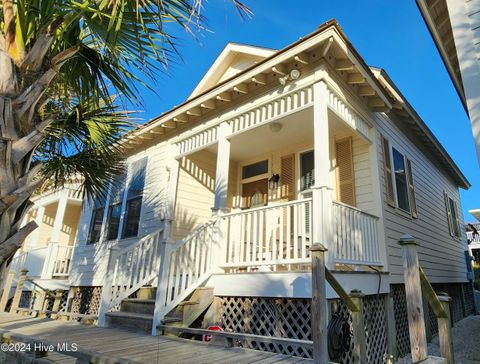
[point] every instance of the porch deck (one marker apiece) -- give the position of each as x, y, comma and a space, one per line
131, 347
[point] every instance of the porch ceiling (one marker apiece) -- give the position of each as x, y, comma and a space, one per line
296, 128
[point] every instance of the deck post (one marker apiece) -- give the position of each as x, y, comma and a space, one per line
19, 290
56, 304
358, 328
413, 291
319, 305
39, 301
322, 190
107, 287
445, 329
6, 291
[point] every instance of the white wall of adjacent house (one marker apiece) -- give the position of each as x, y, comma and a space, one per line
90, 260
465, 22
441, 255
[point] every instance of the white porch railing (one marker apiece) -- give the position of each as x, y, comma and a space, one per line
128, 269
266, 237
356, 236
58, 261
472, 238
63, 261
187, 264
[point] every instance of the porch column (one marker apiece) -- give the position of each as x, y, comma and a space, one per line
57, 225
221, 173
221, 190
322, 189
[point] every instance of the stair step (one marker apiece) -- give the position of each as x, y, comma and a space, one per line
130, 321
186, 303
138, 305
169, 320
204, 288
146, 292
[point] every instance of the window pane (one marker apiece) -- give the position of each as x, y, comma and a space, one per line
255, 169
307, 176
400, 180
137, 180
113, 221
117, 189
95, 226
132, 217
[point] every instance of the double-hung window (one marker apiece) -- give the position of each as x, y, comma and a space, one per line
453, 216
399, 186
115, 207
133, 205
96, 220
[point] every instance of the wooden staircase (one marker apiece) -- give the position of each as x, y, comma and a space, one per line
136, 314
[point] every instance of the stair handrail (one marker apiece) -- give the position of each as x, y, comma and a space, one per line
164, 301
134, 274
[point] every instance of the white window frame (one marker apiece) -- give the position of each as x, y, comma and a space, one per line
298, 173
395, 194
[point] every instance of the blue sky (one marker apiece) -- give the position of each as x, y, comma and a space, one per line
388, 34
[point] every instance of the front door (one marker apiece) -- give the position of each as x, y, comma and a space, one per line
255, 194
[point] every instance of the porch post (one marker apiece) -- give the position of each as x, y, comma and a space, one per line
57, 225
221, 192
222, 168
322, 189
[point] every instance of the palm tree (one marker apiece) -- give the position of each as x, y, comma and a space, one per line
60, 63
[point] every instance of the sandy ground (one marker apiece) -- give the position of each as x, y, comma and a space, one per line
466, 342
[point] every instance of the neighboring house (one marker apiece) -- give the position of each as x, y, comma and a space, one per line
473, 236
272, 152
47, 252
454, 26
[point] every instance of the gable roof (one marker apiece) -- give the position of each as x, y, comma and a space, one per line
233, 59
327, 36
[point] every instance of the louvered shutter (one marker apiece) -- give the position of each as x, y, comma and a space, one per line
287, 177
449, 214
387, 169
345, 174
411, 189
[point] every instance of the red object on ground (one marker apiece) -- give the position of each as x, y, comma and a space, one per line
207, 337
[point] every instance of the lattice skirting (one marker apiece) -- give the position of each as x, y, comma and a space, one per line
49, 302
290, 318
86, 300
462, 305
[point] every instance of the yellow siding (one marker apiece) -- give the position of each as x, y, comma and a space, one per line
195, 192
47, 224
68, 231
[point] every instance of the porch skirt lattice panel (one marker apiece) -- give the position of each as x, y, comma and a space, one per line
86, 300
50, 301
290, 318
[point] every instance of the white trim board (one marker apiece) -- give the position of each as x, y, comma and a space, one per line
294, 285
